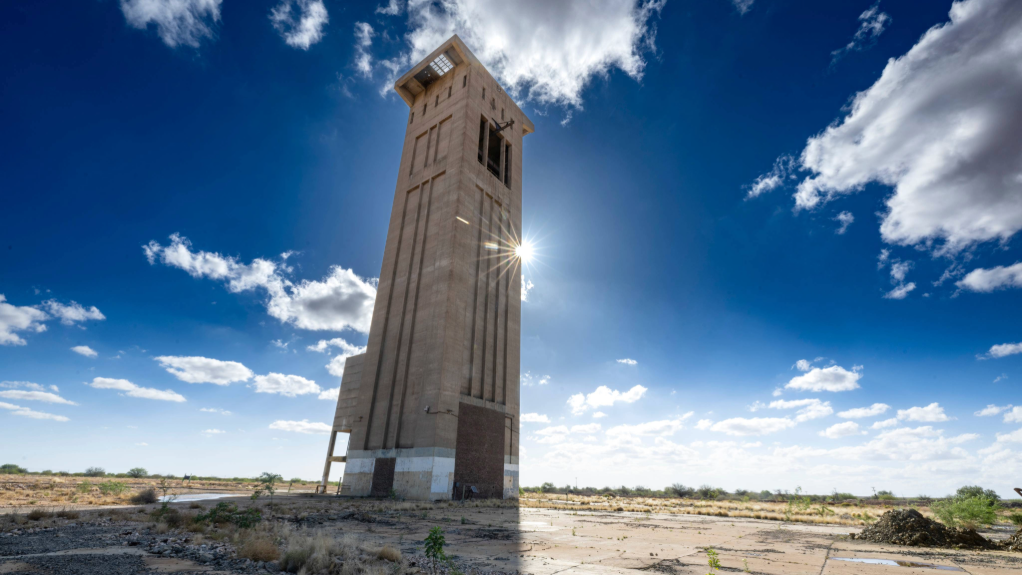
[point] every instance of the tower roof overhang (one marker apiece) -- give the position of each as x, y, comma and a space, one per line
450, 54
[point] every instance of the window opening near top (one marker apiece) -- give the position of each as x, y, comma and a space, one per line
424, 108
502, 114
482, 139
441, 65
507, 165
449, 88
464, 81
493, 103
493, 147
484, 93
437, 103
411, 119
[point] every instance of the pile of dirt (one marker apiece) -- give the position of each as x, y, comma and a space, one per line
1013, 543
909, 527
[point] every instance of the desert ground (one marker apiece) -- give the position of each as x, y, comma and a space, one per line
543, 535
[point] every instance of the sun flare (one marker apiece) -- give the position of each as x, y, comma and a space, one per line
523, 251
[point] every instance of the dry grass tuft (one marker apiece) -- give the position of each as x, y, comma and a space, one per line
259, 547
145, 497
388, 553
37, 514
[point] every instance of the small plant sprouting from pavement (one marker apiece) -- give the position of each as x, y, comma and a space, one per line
745, 565
435, 548
713, 559
268, 480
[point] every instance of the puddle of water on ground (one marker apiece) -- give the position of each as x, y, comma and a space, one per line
199, 496
896, 563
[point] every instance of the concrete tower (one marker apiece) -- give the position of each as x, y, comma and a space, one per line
432, 405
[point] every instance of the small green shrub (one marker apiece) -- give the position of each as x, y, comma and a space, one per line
84, 487
138, 472
713, 559
112, 487
95, 472
145, 497
12, 469
435, 548
976, 491
1015, 518
225, 512
969, 512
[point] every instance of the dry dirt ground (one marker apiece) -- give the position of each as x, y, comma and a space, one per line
488, 537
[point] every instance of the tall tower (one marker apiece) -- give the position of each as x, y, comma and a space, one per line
432, 406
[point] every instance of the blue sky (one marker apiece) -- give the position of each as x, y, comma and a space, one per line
777, 240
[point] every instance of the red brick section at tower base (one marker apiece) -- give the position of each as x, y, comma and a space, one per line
480, 461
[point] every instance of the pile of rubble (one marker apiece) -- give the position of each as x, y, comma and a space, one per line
909, 527
1013, 543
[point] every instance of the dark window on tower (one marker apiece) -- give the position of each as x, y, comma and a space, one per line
482, 139
493, 152
484, 93
507, 165
411, 118
424, 108
449, 88
464, 81
437, 103
493, 103
502, 114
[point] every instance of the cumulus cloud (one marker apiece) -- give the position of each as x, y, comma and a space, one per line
839, 430
1002, 350
25, 395
940, 126
1013, 437
783, 170
885, 423
598, 414
809, 408
393, 8
132, 390
992, 410
204, 369
214, 410
303, 426
31, 413
363, 41
74, 312
861, 412
845, 219
546, 52
177, 22
299, 22
19, 318
534, 418
527, 286
901, 291
527, 379
992, 279
661, 428
742, 426
1013, 416
603, 397
341, 300
872, 23
931, 413
704, 424
84, 350
628, 361
834, 378
286, 385
330, 394
336, 365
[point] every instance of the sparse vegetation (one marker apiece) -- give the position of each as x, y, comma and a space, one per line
435, 548
12, 469
112, 487
966, 512
226, 512
138, 472
146, 496
95, 472
713, 559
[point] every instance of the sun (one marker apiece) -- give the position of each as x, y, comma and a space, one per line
523, 251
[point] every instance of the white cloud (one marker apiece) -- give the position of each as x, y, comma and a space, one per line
627, 361
132, 390
604, 397
908, 444
527, 380
782, 171
84, 350
19, 318
743, 6
330, 394
860, 412
885, 423
834, 378
1014, 416
810, 408
177, 21
215, 410
742, 426
662, 428
73, 312
303, 426
930, 413
204, 369
363, 41
871, 24
940, 126
393, 8
341, 300
542, 51
1013, 437
286, 385
336, 365
587, 429
1002, 350
34, 396
704, 424
845, 219
214, 431
900, 291
527, 286
534, 418
839, 430
31, 413
299, 22
988, 280
803, 365
992, 410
